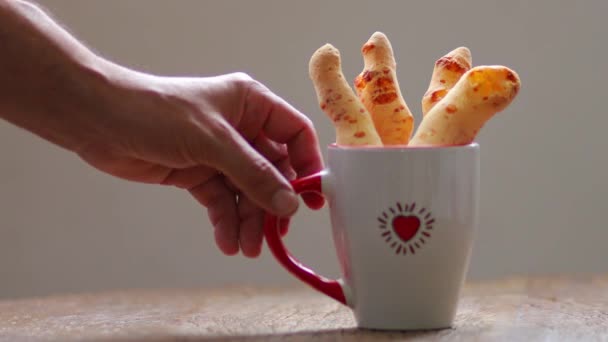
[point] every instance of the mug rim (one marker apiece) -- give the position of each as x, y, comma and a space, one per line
334, 146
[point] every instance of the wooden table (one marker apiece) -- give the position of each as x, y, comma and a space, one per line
518, 309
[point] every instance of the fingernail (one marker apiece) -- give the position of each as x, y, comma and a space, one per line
290, 175
284, 202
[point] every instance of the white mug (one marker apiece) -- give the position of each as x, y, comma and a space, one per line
403, 221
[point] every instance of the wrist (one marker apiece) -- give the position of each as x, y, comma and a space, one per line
45, 75
52, 85
88, 97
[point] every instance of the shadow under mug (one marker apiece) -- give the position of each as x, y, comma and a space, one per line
403, 220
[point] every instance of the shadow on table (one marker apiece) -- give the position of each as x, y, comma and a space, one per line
323, 335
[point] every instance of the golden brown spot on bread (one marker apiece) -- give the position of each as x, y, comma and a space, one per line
384, 90
367, 47
359, 134
369, 75
451, 109
384, 82
438, 95
339, 115
511, 77
365, 77
450, 63
359, 82
385, 98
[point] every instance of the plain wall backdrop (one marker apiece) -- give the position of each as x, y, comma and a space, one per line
67, 227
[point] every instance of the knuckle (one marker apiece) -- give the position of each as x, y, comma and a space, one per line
307, 130
262, 168
241, 76
243, 81
263, 175
217, 218
308, 124
222, 130
221, 138
246, 86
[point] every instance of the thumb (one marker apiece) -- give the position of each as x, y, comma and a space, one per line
256, 177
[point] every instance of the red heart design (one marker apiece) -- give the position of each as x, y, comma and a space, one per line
406, 226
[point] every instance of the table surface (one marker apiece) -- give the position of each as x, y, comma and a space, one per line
515, 309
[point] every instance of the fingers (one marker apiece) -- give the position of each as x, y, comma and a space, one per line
222, 209
276, 153
253, 174
269, 131
286, 125
251, 227
245, 226
251, 215
353, 123
283, 124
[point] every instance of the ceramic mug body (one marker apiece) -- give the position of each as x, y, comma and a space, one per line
403, 221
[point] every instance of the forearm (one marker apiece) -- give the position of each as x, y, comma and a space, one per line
48, 80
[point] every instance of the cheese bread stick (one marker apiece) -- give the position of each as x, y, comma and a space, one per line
479, 94
378, 90
353, 123
447, 71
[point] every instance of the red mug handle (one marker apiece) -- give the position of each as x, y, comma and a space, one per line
311, 189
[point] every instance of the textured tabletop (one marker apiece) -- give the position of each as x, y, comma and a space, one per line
517, 309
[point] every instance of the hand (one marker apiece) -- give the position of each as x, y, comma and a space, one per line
228, 140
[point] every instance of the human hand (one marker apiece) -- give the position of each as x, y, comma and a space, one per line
228, 140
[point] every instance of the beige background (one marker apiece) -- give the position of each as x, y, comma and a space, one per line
66, 227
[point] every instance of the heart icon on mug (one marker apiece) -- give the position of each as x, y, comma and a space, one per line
405, 227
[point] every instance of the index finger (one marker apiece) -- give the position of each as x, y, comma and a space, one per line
285, 124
